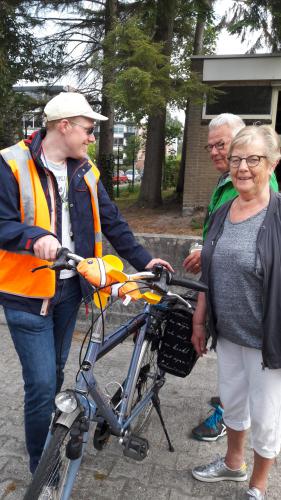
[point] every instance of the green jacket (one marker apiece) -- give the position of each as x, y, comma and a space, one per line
223, 192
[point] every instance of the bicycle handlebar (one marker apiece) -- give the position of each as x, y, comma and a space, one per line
159, 278
199, 286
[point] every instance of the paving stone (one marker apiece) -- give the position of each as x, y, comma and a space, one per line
162, 476
108, 475
137, 491
175, 495
12, 490
103, 488
132, 470
223, 489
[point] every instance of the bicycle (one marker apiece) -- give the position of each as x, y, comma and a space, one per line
125, 413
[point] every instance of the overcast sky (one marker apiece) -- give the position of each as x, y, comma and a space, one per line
226, 43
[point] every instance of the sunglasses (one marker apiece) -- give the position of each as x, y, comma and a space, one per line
88, 130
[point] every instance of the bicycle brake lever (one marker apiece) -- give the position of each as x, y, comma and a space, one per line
162, 276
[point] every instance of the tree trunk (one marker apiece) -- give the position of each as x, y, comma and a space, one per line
197, 49
106, 158
150, 193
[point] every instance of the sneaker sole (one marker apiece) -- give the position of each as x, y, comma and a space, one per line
199, 438
217, 479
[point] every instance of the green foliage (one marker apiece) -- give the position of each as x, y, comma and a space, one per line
141, 70
145, 78
171, 171
131, 150
173, 130
13, 107
92, 152
15, 49
20, 58
263, 16
128, 198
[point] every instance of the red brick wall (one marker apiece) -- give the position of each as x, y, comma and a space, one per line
200, 175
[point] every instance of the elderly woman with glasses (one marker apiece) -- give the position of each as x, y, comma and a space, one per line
241, 263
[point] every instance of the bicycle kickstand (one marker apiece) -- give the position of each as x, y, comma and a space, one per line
156, 404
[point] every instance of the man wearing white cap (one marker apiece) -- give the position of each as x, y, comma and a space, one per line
53, 197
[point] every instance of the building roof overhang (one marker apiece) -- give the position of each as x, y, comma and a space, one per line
241, 67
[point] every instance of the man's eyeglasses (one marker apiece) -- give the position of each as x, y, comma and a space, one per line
252, 161
88, 130
219, 145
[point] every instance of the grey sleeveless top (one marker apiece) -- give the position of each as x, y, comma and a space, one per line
236, 283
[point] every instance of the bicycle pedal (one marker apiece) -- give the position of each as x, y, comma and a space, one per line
136, 447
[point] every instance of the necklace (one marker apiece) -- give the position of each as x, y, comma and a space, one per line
60, 172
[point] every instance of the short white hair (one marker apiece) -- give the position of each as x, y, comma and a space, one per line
264, 133
234, 122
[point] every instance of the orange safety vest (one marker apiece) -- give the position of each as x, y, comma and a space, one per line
16, 277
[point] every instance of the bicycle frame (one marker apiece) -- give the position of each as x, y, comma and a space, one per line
87, 402
91, 397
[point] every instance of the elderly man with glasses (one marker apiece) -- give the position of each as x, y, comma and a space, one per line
222, 130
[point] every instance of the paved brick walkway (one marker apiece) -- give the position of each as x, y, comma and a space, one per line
108, 474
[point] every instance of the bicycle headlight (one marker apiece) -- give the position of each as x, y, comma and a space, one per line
66, 402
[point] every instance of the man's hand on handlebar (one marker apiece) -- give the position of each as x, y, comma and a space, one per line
46, 247
161, 262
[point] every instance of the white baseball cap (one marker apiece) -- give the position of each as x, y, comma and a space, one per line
68, 104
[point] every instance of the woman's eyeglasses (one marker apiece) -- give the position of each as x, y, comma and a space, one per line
252, 161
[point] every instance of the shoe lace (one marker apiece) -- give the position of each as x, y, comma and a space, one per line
215, 418
254, 492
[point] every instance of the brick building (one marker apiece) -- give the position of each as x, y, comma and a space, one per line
252, 90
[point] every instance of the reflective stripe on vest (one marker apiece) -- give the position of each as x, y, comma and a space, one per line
16, 277
91, 179
16, 158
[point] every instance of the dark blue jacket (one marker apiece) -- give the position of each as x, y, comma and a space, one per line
16, 236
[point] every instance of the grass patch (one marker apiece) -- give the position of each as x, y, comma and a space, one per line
196, 224
129, 197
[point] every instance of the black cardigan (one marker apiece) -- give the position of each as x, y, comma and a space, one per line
269, 250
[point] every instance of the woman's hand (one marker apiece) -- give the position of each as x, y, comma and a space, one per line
198, 338
192, 263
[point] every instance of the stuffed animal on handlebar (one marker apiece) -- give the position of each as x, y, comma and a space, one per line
107, 275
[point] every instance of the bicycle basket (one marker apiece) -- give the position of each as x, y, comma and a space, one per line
176, 354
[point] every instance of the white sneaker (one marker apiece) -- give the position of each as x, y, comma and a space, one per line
218, 471
255, 494
49, 493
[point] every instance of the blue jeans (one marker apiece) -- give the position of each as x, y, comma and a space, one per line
43, 344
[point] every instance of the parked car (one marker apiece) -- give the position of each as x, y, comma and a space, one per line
129, 174
122, 177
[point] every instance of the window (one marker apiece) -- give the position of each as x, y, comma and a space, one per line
119, 129
247, 102
131, 129
117, 141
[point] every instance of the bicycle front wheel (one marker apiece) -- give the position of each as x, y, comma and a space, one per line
145, 378
50, 475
